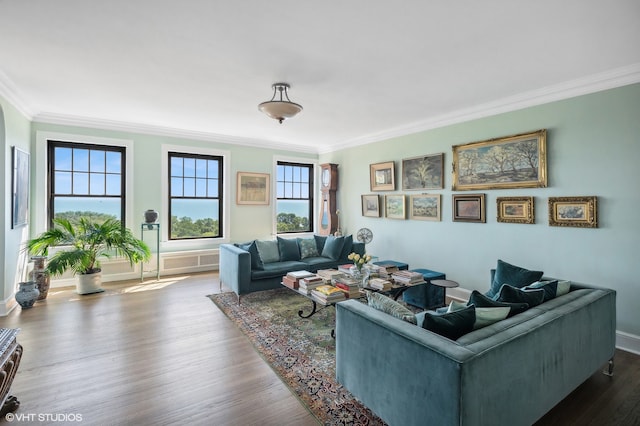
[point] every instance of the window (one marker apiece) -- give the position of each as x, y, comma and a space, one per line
86, 180
195, 196
294, 203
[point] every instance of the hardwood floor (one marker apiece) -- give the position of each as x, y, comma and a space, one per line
161, 353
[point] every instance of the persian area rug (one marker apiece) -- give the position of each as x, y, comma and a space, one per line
301, 351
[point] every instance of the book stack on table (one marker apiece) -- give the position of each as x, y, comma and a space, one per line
326, 294
348, 285
329, 274
386, 270
307, 284
407, 277
346, 268
292, 279
380, 284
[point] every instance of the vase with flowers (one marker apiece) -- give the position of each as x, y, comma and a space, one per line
359, 262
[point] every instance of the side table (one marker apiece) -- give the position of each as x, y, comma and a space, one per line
445, 284
10, 355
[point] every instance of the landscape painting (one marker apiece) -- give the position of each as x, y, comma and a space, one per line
425, 207
395, 206
424, 172
253, 188
579, 212
511, 162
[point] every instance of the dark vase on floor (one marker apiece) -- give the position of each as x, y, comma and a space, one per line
27, 295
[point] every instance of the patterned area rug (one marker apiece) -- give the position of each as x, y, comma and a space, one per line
300, 350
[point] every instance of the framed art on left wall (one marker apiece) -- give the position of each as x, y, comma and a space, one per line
253, 188
19, 187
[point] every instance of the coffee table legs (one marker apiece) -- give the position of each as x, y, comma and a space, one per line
314, 309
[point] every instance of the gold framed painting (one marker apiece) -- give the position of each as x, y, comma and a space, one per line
382, 176
518, 161
252, 188
424, 207
370, 205
515, 210
394, 206
469, 208
425, 172
579, 212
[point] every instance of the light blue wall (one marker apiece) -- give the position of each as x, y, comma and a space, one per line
14, 131
593, 145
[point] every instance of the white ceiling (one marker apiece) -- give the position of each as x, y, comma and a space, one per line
363, 70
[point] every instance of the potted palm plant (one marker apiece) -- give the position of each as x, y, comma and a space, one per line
82, 243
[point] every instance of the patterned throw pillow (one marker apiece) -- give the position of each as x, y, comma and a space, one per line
308, 247
389, 306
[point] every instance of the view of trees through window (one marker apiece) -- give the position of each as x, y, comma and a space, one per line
294, 203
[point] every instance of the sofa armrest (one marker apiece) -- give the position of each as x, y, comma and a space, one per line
235, 268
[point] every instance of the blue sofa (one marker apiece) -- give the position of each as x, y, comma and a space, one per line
260, 265
511, 372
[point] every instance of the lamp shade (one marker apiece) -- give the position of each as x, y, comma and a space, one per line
280, 107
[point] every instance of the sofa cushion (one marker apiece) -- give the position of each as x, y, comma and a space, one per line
333, 247
288, 249
512, 275
252, 248
479, 300
277, 269
319, 262
347, 247
511, 294
451, 325
320, 240
552, 289
268, 250
308, 247
484, 316
390, 306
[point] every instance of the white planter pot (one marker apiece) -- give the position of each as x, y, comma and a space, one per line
89, 283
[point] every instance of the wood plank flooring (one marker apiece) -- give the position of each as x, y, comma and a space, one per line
161, 353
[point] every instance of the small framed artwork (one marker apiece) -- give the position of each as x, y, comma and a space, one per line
370, 205
515, 210
394, 206
580, 212
382, 176
469, 208
424, 172
253, 188
424, 207
19, 187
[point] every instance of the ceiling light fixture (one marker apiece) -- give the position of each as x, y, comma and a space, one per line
281, 108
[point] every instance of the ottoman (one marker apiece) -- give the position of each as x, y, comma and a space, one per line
427, 295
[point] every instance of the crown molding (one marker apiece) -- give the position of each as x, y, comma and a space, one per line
120, 126
583, 86
11, 93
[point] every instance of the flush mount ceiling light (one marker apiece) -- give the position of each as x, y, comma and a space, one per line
280, 108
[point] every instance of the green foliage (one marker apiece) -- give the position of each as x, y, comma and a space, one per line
83, 242
185, 227
74, 217
289, 222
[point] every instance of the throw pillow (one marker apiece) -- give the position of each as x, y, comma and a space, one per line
256, 261
347, 247
484, 316
333, 247
512, 275
389, 306
552, 289
451, 325
320, 240
511, 294
288, 249
268, 250
479, 300
308, 247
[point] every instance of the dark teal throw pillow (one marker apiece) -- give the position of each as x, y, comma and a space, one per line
552, 288
288, 249
512, 275
451, 325
511, 294
479, 300
333, 247
252, 248
347, 247
320, 240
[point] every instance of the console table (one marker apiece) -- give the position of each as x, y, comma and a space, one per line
10, 355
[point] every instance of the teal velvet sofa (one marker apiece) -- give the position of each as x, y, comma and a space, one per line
511, 372
260, 265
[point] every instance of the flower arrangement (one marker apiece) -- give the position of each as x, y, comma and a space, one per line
359, 261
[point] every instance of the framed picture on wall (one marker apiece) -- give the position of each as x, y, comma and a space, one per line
19, 187
424, 207
518, 161
469, 208
515, 210
382, 176
425, 172
580, 212
252, 188
394, 206
370, 205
